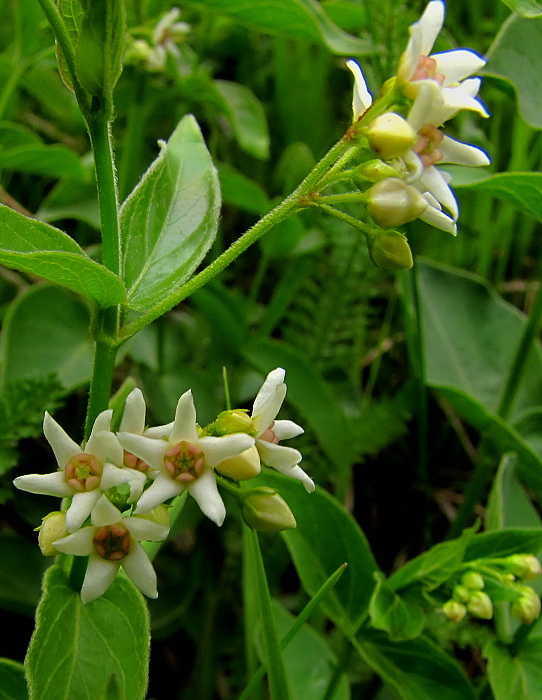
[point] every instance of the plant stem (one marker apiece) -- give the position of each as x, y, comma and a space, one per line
102, 372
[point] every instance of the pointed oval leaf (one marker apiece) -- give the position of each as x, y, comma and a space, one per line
170, 220
50, 161
247, 117
12, 681
515, 676
76, 648
35, 247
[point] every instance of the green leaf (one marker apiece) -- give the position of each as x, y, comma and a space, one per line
401, 615
55, 314
515, 56
515, 676
503, 543
12, 681
247, 118
71, 12
35, 247
327, 536
303, 19
50, 161
508, 504
527, 8
76, 648
13, 135
416, 669
170, 219
242, 192
22, 566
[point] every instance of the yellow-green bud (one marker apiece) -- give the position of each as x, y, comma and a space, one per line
389, 250
462, 594
374, 171
244, 466
137, 52
391, 136
265, 510
473, 581
158, 515
454, 611
53, 528
524, 566
527, 608
480, 605
233, 421
391, 202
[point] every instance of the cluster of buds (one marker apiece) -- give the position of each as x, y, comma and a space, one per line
150, 48
116, 485
496, 580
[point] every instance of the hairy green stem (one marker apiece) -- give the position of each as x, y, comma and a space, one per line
102, 376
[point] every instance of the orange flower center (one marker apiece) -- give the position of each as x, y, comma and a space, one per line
112, 542
184, 462
83, 472
427, 69
426, 146
269, 436
133, 462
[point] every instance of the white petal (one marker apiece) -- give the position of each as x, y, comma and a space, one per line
104, 445
63, 446
159, 431
113, 476
159, 491
80, 508
456, 98
269, 400
439, 220
139, 570
410, 57
100, 575
458, 64
432, 181
105, 513
205, 491
133, 418
47, 484
286, 429
79, 543
431, 23
471, 86
361, 98
462, 153
217, 449
143, 529
151, 451
278, 456
102, 422
300, 475
423, 107
184, 425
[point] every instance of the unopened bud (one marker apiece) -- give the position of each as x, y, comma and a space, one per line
462, 594
265, 510
137, 52
233, 421
524, 566
392, 202
244, 466
527, 608
480, 605
473, 581
454, 611
389, 250
53, 528
391, 136
374, 171
158, 515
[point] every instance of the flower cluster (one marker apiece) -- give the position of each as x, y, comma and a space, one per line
150, 48
429, 89
118, 482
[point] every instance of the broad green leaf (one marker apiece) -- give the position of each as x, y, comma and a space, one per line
327, 536
310, 395
21, 566
12, 681
503, 543
401, 615
44, 83
50, 161
55, 314
13, 135
347, 15
515, 676
303, 19
417, 669
76, 648
71, 12
170, 219
508, 504
515, 56
247, 118
242, 192
35, 247
310, 663
527, 8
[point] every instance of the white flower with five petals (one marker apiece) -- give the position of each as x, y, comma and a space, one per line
83, 473
185, 461
110, 542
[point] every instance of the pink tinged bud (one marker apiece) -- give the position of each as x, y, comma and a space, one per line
53, 528
133, 462
527, 608
112, 542
480, 605
265, 510
184, 462
391, 136
83, 472
244, 466
454, 611
392, 202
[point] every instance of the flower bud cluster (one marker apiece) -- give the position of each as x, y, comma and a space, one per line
117, 483
150, 47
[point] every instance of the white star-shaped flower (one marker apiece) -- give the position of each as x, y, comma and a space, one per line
184, 460
361, 97
110, 542
83, 473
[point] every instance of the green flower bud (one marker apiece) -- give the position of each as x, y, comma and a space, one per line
374, 171
462, 594
52, 528
392, 202
473, 581
454, 611
265, 510
524, 566
389, 250
391, 136
244, 466
233, 421
527, 608
480, 605
158, 515
137, 52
